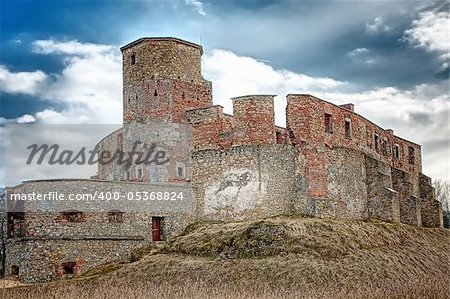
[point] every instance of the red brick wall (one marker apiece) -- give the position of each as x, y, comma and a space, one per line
165, 101
252, 124
254, 120
305, 117
206, 127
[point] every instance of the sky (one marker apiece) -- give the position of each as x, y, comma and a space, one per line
60, 61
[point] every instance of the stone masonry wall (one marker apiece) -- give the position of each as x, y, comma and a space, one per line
48, 239
174, 140
41, 260
162, 79
245, 182
309, 129
163, 58
111, 143
431, 208
346, 182
44, 214
163, 100
382, 200
409, 204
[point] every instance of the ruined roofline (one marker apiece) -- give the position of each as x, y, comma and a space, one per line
162, 39
204, 108
352, 112
253, 96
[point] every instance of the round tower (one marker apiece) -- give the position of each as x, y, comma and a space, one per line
162, 79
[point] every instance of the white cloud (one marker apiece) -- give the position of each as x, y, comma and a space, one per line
430, 31
197, 5
25, 119
234, 75
361, 55
377, 26
89, 85
21, 82
74, 47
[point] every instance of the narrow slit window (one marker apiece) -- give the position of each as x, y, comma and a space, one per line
15, 225
385, 147
279, 137
396, 152
328, 123
120, 141
180, 172
133, 59
411, 155
348, 128
376, 142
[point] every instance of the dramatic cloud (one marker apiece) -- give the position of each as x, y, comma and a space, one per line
197, 5
89, 86
21, 82
430, 32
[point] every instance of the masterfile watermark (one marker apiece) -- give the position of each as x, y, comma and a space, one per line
68, 157
131, 152
99, 195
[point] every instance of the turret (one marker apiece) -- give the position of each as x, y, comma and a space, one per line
162, 79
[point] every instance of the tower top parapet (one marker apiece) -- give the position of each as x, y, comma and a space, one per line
161, 39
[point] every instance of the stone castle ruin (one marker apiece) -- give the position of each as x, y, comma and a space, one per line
328, 162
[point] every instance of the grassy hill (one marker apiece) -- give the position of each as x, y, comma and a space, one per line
282, 257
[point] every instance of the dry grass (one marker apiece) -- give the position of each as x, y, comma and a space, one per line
275, 258
9, 283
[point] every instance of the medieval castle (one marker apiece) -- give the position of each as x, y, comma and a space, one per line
328, 162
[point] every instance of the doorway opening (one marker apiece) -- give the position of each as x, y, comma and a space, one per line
157, 228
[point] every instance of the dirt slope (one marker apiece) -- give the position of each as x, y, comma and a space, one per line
281, 257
